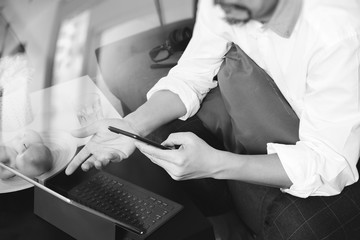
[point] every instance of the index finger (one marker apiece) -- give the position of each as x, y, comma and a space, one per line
78, 160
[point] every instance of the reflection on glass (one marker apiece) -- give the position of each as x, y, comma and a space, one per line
70, 47
15, 104
9, 43
89, 110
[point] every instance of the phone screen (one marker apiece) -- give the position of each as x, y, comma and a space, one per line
137, 137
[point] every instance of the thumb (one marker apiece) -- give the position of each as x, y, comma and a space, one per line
85, 131
176, 139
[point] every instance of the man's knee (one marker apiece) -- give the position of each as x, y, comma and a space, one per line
289, 217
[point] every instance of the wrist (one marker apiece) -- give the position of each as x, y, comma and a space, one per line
136, 126
228, 165
218, 167
152, 115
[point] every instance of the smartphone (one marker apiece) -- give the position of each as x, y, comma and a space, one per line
137, 137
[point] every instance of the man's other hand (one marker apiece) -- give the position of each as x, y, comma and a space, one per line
103, 147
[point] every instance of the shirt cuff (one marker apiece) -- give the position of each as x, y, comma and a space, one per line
188, 97
307, 170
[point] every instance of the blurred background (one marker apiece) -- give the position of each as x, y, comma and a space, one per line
60, 36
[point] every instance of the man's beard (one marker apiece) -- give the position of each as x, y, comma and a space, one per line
232, 20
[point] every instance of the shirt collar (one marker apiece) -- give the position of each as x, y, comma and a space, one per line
285, 17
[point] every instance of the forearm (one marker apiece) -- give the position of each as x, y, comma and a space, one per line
258, 169
163, 107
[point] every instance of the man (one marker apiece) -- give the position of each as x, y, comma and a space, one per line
309, 48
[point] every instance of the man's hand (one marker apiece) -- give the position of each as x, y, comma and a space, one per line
103, 147
7, 156
194, 159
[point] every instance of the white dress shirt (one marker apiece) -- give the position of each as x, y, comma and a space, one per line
314, 58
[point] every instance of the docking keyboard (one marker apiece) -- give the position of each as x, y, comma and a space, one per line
134, 208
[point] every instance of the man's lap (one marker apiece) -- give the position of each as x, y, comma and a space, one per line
335, 217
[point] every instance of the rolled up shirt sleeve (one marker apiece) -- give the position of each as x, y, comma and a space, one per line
324, 161
192, 78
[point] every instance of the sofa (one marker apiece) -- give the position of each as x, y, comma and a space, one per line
126, 69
